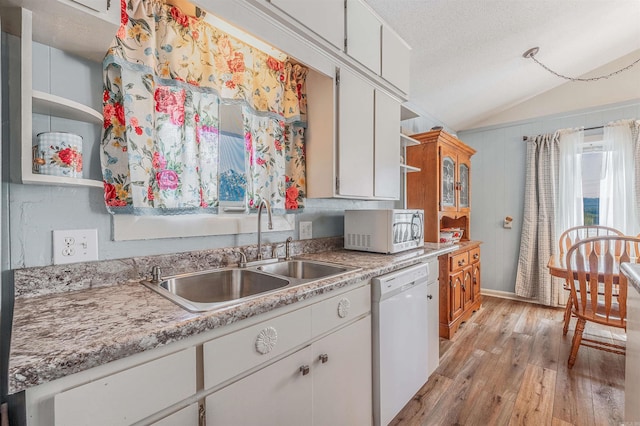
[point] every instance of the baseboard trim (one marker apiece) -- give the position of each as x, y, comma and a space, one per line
507, 295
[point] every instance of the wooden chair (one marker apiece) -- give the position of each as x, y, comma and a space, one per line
598, 288
569, 238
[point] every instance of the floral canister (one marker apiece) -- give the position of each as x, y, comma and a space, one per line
58, 154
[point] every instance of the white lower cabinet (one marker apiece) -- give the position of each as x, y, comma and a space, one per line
185, 417
277, 395
131, 395
433, 320
327, 381
342, 384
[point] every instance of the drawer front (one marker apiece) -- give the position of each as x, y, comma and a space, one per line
340, 309
458, 261
242, 350
131, 395
474, 255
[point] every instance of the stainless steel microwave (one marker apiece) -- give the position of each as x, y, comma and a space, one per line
383, 230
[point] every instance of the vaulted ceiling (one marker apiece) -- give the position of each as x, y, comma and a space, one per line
467, 65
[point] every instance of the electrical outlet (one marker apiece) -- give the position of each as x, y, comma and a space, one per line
75, 245
306, 230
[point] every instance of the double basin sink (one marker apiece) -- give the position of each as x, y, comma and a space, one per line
208, 290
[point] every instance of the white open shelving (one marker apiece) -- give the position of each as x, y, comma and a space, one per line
409, 169
35, 101
408, 140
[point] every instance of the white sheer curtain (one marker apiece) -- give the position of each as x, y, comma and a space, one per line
570, 206
618, 203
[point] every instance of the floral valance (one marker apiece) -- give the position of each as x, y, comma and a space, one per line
165, 76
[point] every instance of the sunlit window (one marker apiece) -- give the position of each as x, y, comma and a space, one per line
591, 175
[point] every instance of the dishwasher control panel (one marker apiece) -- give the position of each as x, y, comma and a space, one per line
399, 280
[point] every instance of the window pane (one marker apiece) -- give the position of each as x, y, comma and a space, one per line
233, 181
591, 165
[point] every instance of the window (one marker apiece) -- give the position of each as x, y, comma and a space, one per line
591, 160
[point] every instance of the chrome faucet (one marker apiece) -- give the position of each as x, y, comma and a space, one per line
262, 204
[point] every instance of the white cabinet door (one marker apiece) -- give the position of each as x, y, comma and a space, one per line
279, 394
363, 35
632, 358
131, 395
396, 59
342, 384
355, 136
433, 334
188, 416
325, 18
387, 147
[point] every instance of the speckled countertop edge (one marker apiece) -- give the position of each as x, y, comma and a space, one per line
60, 334
632, 271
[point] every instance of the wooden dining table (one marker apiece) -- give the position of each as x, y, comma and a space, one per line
558, 268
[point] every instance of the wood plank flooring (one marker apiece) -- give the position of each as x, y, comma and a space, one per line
507, 365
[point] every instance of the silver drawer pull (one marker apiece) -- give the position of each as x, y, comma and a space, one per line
324, 358
304, 370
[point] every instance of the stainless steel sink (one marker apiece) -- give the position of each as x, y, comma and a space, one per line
305, 269
204, 291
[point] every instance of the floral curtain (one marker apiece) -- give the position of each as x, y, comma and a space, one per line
165, 76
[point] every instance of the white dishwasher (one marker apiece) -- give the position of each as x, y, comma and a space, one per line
400, 308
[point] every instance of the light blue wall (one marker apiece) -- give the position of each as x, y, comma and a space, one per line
35, 210
497, 183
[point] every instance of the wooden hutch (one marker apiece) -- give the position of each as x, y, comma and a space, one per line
442, 188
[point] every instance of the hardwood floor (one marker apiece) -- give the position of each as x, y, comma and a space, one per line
507, 365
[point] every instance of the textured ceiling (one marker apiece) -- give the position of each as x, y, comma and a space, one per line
467, 63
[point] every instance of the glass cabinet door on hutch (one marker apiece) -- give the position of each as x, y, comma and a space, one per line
463, 185
448, 183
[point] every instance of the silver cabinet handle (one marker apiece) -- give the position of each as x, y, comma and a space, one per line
304, 370
324, 358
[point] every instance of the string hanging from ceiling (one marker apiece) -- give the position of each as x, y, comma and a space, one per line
531, 54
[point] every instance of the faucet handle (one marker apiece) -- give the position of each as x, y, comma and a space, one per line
243, 259
287, 248
156, 274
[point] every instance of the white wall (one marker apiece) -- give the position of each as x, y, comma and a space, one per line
497, 183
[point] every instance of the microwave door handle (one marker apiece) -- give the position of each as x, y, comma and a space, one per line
415, 236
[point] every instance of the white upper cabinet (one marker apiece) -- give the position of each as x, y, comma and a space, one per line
387, 148
363, 35
355, 136
325, 18
396, 59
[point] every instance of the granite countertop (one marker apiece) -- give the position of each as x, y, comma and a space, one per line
59, 334
632, 271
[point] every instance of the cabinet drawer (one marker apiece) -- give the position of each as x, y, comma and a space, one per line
340, 309
458, 261
131, 395
242, 350
474, 255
